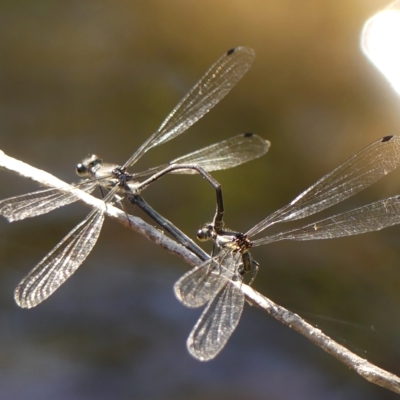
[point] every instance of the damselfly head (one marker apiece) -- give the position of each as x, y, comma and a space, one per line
205, 233
89, 166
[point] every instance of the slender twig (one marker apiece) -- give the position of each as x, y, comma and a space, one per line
364, 368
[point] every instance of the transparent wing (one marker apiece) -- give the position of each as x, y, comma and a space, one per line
200, 284
40, 202
216, 323
223, 155
205, 94
369, 218
60, 263
354, 175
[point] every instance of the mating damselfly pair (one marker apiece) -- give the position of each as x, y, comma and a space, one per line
211, 281
68, 255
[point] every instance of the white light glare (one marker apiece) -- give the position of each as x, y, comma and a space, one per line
380, 42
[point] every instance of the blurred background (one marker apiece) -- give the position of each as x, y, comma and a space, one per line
99, 77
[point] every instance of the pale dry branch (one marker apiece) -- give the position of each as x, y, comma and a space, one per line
360, 365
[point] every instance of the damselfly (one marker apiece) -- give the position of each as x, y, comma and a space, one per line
211, 281
69, 254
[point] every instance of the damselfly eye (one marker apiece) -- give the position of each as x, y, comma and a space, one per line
81, 169
88, 166
201, 235
204, 234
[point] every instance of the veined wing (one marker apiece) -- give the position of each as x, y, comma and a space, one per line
205, 94
354, 175
60, 263
200, 284
369, 218
216, 323
223, 155
226, 154
40, 202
